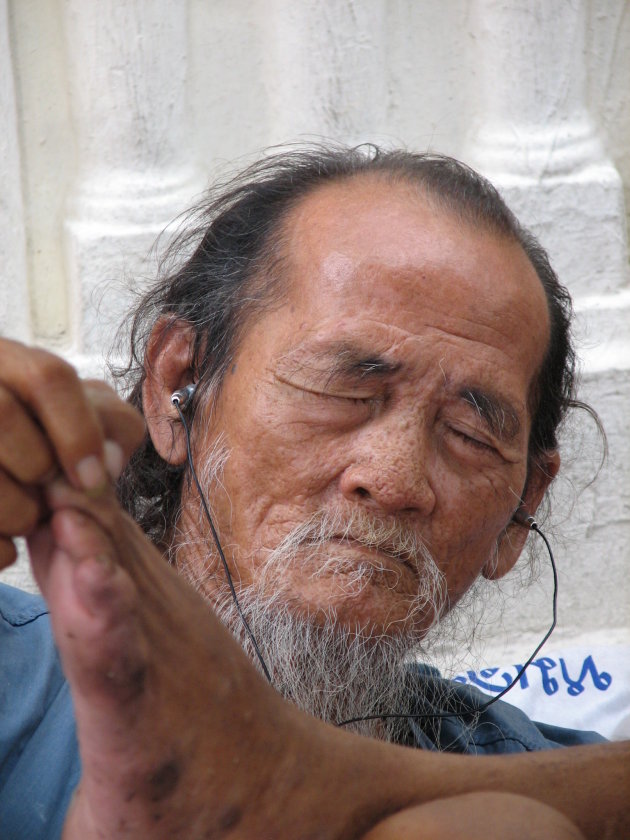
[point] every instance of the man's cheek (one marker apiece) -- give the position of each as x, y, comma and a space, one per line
479, 499
299, 458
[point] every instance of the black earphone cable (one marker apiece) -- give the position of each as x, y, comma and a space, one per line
215, 536
533, 525
179, 399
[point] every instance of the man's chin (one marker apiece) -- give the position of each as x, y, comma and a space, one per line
372, 614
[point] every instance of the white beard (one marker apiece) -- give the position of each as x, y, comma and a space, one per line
328, 669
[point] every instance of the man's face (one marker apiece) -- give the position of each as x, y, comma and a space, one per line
393, 381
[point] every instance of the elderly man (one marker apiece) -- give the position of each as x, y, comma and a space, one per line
372, 358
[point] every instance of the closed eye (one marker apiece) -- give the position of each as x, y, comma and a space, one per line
335, 406
331, 395
472, 441
366, 402
355, 395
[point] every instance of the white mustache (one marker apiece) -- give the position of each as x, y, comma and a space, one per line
306, 545
390, 537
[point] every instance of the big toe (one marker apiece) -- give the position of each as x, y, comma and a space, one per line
93, 605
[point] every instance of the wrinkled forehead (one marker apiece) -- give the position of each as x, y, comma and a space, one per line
386, 246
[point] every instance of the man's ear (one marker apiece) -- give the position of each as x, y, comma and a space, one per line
168, 366
513, 538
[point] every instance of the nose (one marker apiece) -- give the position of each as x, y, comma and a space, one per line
390, 470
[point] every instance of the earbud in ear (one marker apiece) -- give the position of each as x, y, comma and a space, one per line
523, 517
182, 397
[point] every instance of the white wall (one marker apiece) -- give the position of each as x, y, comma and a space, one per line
117, 112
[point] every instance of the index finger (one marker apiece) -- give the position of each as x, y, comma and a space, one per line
120, 421
52, 392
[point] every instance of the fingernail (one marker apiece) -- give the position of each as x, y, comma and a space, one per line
114, 459
91, 473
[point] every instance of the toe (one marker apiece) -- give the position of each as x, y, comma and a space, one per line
94, 613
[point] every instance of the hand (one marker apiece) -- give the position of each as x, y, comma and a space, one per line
51, 423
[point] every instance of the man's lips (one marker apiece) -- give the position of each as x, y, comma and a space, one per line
382, 549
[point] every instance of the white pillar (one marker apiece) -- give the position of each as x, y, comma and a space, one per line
534, 137
536, 141
127, 66
14, 301
325, 69
14, 297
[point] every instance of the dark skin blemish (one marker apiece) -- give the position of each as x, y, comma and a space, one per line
230, 817
127, 685
233, 371
164, 781
137, 679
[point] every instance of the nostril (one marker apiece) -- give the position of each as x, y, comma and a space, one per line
361, 491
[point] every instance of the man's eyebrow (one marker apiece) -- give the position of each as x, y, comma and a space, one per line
498, 414
353, 362
339, 361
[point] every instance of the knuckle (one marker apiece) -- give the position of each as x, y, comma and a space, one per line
131, 414
39, 465
30, 518
45, 369
7, 405
98, 386
23, 452
19, 515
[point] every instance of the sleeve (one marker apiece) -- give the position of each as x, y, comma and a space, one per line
569, 737
39, 760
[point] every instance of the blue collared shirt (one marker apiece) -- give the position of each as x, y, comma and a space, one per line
39, 757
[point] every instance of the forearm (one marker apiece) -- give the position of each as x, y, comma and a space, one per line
589, 785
